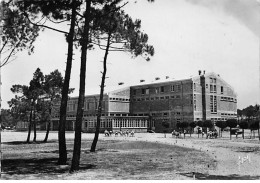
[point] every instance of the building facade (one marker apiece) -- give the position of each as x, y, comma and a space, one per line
203, 97
149, 105
115, 113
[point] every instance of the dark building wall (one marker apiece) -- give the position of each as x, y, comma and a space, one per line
169, 101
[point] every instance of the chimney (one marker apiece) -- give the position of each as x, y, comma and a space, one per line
142, 80
157, 78
199, 72
167, 77
121, 83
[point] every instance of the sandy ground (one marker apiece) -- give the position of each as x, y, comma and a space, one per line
225, 152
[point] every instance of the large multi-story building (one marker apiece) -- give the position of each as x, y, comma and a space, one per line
148, 105
200, 98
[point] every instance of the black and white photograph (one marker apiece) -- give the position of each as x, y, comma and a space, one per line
130, 90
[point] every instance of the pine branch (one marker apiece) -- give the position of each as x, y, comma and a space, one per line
41, 25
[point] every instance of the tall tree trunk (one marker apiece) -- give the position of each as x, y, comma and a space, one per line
47, 131
48, 126
102, 86
78, 125
230, 133
258, 133
34, 126
29, 127
65, 90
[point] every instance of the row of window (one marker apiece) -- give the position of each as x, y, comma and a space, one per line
161, 89
103, 124
158, 114
92, 115
228, 114
228, 99
119, 99
157, 98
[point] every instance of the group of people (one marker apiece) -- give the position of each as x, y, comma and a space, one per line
121, 133
209, 134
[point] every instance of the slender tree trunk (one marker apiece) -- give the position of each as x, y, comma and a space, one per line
102, 86
78, 125
258, 133
48, 126
34, 126
243, 133
258, 130
29, 127
65, 90
47, 131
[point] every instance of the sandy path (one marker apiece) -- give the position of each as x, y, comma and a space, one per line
224, 152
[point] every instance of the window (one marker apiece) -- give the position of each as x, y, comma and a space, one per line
134, 92
156, 90
178, 87
178, 97
213, 104
211, 89
194, 86
162, 89
172, 88
165, 114
161, 98
215, 89
172, 96
211, 80
147, 91
156, 98
207, 85
178, 113
152, 98
143, 91
222, 90
167, 97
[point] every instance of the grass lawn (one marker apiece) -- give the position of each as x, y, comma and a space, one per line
113, 160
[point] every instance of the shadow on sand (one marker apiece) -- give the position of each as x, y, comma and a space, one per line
24, 142
37, 166
201, 176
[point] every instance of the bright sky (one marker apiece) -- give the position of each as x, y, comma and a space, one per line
188, 35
